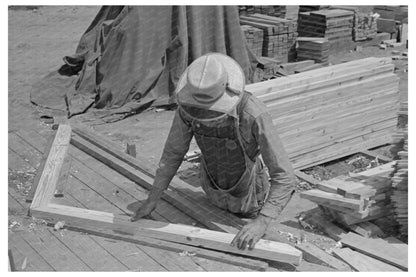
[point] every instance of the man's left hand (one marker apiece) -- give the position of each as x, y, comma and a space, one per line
251, 233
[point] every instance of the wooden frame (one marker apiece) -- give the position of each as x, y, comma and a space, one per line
143, 230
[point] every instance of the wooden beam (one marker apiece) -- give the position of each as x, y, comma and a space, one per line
252, 264
203, 215
219, 241
377, 249
332, 199
53, 165
63, 177
361, 262
307, 178
29, 197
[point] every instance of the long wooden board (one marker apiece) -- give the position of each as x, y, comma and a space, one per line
76, 217
51, 171
377, 249
361, 262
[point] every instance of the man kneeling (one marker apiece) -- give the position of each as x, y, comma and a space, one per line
244, 168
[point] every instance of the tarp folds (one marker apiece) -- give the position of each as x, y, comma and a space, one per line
132, 57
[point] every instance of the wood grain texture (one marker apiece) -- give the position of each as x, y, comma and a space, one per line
76, 217
50, 174
361, 262
40, 169
377, 249
314, 254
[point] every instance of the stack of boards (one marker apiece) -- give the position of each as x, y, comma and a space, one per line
365, 26
310, 48
278, 11
351, 200
335, 25
400, 177
279, 35
333, 112
364, 23
254, 39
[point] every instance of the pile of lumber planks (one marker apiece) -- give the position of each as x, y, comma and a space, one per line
351, 200
333, 112
335, 25
279, 35
400, 178
306, 8
365, 26
364, 23
278, 11
254, 39
310, 48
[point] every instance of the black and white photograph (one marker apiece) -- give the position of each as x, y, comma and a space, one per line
207, 137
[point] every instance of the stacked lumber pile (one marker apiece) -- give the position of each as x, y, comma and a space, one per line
364, 23
400, 176
351, 200
278, 11
335, 25
305, 8
316, 49
279, 35
333, 112
254, 38
365, 26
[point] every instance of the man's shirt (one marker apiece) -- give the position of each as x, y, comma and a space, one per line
259, 136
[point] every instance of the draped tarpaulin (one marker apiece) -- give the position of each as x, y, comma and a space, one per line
132, 57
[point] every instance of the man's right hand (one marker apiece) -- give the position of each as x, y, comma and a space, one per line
145, 210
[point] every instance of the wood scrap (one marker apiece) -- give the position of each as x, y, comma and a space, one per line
377, 249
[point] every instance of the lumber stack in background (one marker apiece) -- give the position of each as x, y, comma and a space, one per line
278, 11
335, 25
333, 112
364, 22
279, 35
400, 175
352, 200
254, 39
316, 49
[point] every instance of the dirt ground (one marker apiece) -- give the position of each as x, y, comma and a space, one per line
39, 38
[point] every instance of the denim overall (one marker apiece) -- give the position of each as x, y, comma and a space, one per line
229, 177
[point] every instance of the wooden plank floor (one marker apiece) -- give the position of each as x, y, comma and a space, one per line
91, 185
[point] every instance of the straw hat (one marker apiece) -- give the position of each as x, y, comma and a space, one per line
213, 82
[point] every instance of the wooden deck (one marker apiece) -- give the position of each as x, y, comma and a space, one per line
91, 185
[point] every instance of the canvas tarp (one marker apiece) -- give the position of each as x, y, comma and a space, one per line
131, 57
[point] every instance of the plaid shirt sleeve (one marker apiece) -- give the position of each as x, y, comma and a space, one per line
282, 178
176, 146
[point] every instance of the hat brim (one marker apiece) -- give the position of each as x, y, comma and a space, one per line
228, 101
